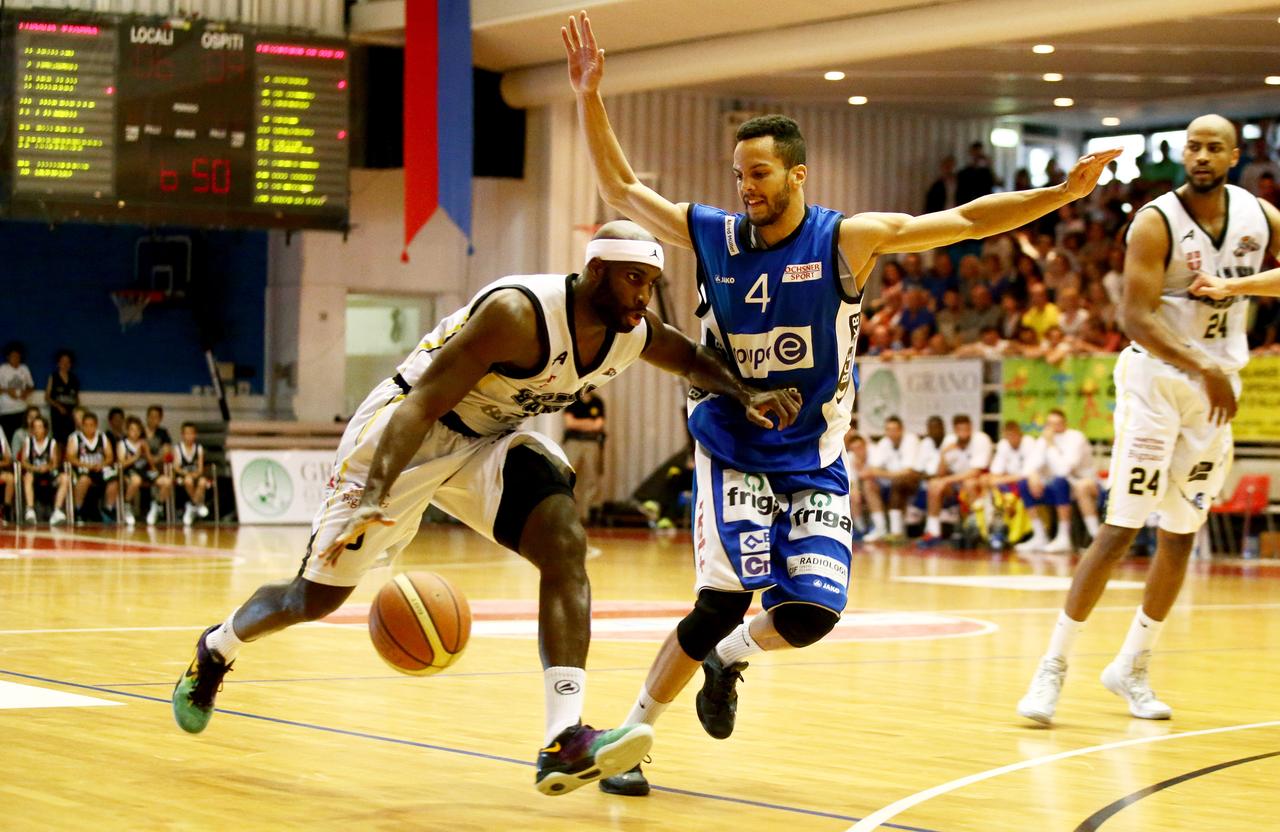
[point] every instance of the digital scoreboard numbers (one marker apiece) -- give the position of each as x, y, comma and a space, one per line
184, 126
158, 120
300, 126
63, 110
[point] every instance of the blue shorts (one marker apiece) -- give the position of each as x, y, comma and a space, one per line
1057, 492
787, 534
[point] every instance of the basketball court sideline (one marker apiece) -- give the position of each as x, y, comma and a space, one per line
903, 720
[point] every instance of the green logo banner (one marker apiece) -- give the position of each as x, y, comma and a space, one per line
1081, 387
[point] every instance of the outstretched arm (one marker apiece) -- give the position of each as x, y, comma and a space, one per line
671, 350
1263, 283
620, 188
863, 236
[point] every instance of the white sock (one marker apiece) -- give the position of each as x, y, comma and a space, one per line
1091, 523
224, 640
646, 710
738, 645
1037, 527
566, 688
1064, 530
895, 521
933, 527
1143, 633
1064, 636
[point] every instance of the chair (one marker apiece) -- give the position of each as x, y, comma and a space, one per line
1251, 497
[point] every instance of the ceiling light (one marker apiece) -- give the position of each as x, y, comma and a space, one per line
857, 100
1273, 80
834, 75
1064, 102
1111, 121
1043, 49
1052, 76
1005, 137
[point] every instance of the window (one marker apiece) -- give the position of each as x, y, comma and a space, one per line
1127, 165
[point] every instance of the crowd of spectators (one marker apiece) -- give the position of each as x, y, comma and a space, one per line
1048, 290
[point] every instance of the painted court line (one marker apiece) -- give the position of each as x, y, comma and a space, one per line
447, 749
880, 817
14, 696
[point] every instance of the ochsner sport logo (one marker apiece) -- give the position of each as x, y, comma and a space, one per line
780, 349
823, 514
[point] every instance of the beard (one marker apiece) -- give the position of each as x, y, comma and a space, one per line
1214, 184
775, 208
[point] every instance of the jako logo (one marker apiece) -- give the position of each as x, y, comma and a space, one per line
780, 349
755, 565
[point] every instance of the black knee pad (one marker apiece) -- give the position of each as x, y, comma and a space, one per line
803, 624
713, 617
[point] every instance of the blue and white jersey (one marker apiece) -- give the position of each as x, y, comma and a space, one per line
785, 317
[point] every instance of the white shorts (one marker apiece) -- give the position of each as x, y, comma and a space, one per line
1167, 456
461, 475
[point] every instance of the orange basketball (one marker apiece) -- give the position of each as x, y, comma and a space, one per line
419, 623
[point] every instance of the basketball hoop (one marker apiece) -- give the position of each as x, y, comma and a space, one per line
131, 303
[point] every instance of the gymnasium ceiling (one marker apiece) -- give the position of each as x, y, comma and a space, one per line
1140, 61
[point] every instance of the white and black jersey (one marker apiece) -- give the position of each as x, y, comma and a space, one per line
89, 452
190, 460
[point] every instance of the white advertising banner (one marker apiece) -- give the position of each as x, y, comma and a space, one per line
916, 389
279, 487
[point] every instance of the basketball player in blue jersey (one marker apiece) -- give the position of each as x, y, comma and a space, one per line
780, 286
447, 429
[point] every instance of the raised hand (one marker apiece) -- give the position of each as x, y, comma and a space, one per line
356, 524
586, 59
1084, 176
784, 403
1208, 286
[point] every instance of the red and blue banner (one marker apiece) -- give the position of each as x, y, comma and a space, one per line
437, 114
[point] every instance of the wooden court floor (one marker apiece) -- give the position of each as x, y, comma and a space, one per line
903, 720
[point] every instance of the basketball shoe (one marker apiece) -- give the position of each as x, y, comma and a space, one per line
193, 695
1046, 686
1128, 680
580, 755
630, 783
717, 702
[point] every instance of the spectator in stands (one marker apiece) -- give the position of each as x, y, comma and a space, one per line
950, 316
912, 270
941, 278
16, 385
19, 438
1260, 163
937, 345
915, 313
981, 314
584, 438
1060, 276
1267, 188
855, 461
6, 478
1028, 344
158, 437
62, 394
1041, 314
1096, 244
1265, 328
890, 277
1068, 454
192, 475
115, 426
40, 461
135, 466
975, 179
989, 346
1113, 280
92, 463
890, 306
971, 273
942, 193
1099, 304
1071, 312
965, 456
1022, 180
1167, 170
997, 254
918, 345
1010, 317
1053, 172
881, 344
890, 477
1039, 249
1095, 337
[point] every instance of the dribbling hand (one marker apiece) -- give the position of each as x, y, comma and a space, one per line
586, 59
356, 525
1084, 175
784, 403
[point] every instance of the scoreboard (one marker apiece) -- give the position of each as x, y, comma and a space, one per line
172, 121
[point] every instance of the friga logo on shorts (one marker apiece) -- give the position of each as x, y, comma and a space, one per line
747, 497
820, 566
802, 272
823, 514
779, 350
266, 485
754, 542
754, 566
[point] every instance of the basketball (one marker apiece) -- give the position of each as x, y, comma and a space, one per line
419, 623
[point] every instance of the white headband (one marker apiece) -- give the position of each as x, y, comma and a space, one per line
627, 251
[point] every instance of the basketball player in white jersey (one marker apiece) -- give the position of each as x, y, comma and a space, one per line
446, 429
92, 462
1176, 389
189, 471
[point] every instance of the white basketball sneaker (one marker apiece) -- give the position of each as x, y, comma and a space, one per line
1059, 545
1129, 682
57, 518
1046, 686
1035, 543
